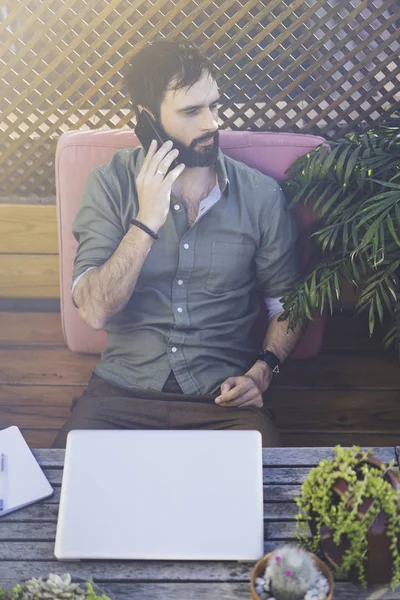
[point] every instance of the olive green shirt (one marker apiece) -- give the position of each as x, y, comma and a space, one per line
198, 295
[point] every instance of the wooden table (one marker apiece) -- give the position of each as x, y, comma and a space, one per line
27, 541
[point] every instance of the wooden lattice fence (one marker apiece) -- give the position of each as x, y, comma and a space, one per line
313, 66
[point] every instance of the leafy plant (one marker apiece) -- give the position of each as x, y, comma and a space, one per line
55, 587
344, 515
354, 191
91, 593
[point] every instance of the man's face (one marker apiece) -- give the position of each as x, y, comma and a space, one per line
190, 119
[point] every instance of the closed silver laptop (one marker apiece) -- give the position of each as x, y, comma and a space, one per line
181, 495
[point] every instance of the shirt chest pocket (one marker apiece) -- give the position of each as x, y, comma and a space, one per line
231, 266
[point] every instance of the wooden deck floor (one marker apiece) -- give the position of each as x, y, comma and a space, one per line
348, 394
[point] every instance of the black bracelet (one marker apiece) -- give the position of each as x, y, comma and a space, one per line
143, 227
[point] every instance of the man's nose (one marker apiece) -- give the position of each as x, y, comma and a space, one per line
209, 121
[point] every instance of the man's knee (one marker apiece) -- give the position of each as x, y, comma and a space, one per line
269, 433
83, 416
259, 420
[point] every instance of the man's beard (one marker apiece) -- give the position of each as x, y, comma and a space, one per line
190, 157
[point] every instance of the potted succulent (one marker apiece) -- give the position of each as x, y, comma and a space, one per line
56, 587
290, 573
352, 505
352, 188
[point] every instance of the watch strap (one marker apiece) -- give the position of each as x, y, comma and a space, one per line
271, 359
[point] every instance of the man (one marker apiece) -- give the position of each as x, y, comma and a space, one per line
172, 265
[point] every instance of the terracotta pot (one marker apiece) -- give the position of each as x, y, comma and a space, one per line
260, 566
378, 567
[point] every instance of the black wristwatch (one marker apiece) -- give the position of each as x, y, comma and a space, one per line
271, 359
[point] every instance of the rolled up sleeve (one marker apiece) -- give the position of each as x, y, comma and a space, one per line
97, 226
277, 266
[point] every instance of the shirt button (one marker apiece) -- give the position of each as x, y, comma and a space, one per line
186, 246
180, 282
179, 309
173, 349
176, 206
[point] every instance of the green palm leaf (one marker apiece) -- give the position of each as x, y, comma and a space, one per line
355, 192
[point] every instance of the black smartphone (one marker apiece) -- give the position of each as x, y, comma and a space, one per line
147, 130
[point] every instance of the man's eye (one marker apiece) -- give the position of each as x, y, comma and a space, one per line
194, 111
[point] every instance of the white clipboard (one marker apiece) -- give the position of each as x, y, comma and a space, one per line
22, 481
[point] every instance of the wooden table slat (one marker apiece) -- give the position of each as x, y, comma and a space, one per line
275, 457
19, 542
271, 475
45, 512
34, 532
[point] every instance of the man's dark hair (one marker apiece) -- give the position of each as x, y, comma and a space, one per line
150, 72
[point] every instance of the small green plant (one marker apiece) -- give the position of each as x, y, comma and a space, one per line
56, 587
292, 572
91, 594
354, 192
321, 505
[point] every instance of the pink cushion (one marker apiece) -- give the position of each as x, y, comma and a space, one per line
79, 152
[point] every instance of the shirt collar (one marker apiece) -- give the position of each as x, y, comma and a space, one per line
222, 176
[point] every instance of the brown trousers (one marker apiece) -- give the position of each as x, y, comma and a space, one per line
106, 406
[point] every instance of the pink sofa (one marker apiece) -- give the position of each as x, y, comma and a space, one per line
79, 152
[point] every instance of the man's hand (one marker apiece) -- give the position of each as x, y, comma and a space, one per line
246, 390
154, 184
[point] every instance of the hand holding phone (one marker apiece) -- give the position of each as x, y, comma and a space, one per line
155, 180
147, 130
